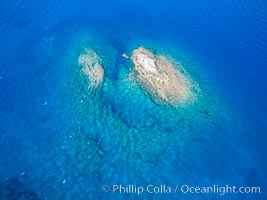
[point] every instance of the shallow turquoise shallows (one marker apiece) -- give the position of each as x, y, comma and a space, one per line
63, 140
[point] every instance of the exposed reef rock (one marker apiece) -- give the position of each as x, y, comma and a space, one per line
161, 77
91, 66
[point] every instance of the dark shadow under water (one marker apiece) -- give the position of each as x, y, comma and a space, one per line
13, 189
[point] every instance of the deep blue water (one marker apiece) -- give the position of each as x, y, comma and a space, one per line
59, 140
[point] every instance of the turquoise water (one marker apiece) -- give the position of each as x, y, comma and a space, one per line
61, 140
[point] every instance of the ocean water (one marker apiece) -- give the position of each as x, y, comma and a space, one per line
61, 140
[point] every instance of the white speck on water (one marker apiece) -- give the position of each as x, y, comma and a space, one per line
125, 55
64, 181
22, 173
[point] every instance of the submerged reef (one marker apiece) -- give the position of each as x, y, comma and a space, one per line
91, 66
158, 75
161, 77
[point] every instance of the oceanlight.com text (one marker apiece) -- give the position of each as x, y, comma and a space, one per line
182, 189
221, 190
